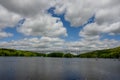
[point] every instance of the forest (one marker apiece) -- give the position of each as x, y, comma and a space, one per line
106, 53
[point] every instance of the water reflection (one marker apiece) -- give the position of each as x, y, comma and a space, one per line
36, 68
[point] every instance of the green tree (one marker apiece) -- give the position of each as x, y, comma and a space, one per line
68, 55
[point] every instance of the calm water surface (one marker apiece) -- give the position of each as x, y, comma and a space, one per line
36, 68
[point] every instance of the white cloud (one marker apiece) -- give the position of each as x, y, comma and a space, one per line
113, 28
34, 43
91, 30
107, 13
87, 45
27, 7
77, 12
43, 25
7, 19
4, 34
107, 16
38, 21
95, 31
48, 43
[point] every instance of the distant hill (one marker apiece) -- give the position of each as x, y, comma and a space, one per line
106, 53
21, 53
13, 52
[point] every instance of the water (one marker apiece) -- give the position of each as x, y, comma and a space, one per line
36, 68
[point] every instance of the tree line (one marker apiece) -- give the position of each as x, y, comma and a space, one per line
13, 52
106, 53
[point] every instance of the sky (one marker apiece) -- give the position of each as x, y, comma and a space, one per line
59, 24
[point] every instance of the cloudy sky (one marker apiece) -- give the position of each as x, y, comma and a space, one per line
59, 24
